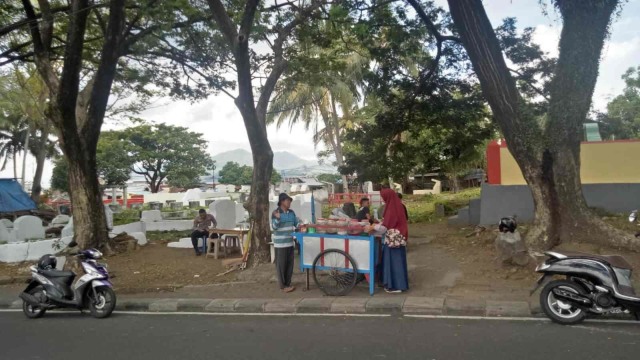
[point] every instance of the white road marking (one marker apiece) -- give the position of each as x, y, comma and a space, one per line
446, 317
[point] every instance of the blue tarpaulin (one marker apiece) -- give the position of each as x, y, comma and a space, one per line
13, 198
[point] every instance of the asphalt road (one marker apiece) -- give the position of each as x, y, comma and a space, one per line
142, 337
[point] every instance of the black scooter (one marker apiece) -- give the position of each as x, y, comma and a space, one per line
595, 284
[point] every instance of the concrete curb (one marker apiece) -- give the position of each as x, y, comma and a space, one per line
453, 306
334, 305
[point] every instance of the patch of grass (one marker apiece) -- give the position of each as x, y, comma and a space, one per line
3, 242
127, 216
167, 236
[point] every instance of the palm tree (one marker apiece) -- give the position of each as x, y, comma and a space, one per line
13, 134
325, 102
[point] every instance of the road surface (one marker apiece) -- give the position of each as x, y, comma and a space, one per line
70, 336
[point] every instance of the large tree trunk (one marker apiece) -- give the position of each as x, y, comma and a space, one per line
41, 156
90, 227
549, 158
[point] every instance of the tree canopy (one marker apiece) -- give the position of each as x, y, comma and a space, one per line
160, 152
234, 174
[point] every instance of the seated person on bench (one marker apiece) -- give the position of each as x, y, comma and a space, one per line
201, 225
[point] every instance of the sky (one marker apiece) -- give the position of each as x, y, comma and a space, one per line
220, 121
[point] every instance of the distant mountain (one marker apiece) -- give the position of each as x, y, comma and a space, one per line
282, 160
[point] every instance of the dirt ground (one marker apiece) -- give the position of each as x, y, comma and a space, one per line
442, 260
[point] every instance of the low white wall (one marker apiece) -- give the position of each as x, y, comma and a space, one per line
163, 197
138, 226
169, 225
26, 251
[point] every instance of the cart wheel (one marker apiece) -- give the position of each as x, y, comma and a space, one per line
335, 272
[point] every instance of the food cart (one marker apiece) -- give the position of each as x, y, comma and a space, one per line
338, 256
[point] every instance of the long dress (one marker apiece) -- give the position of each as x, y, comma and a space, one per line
394, 268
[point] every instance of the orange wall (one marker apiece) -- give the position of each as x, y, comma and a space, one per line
607, 162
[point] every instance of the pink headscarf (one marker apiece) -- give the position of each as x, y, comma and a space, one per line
394, 215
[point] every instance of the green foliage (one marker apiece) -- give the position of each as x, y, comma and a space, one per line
622, 120
167, 152
113, 162
234, 174
59, 177
329, 178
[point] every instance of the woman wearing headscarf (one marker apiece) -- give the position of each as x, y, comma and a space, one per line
394, 252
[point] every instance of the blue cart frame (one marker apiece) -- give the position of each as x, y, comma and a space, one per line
372, 253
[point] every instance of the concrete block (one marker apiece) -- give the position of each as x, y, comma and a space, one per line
221, 305
474, 211
140, 237
6, 235
508, 308
67, 230
166, 305
193, 305
250, 305
150, 216
349, 305
465, 306
137, 226
184, 243
13, 252
169, 225
424, 305
385, 304
317, 305
281, 305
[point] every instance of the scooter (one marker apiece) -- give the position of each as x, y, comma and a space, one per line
50, 289
594, 284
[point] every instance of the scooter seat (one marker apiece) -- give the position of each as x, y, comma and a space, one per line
57, 273
616, 261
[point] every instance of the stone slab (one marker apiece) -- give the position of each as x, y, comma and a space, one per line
346, 305
166, 305
385, 304
221, 305
193, 305
424, 305
315, 305
465, 306
134, 304
508, 308
250, 305
281, 305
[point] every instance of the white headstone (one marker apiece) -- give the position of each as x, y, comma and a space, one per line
225, 213
151, 216
7, 223
240, 213
28, 228
5, 235
368, 187
191, 195
108, 213
67, 230
60, 220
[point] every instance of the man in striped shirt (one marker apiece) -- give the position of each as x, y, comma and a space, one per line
283, 223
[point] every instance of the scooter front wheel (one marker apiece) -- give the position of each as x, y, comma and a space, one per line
31, 311
559, 311
103, 302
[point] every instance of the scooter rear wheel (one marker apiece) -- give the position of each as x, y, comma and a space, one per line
559, 311
33, 312
103, 304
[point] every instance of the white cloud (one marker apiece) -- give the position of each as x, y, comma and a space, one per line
547, 36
